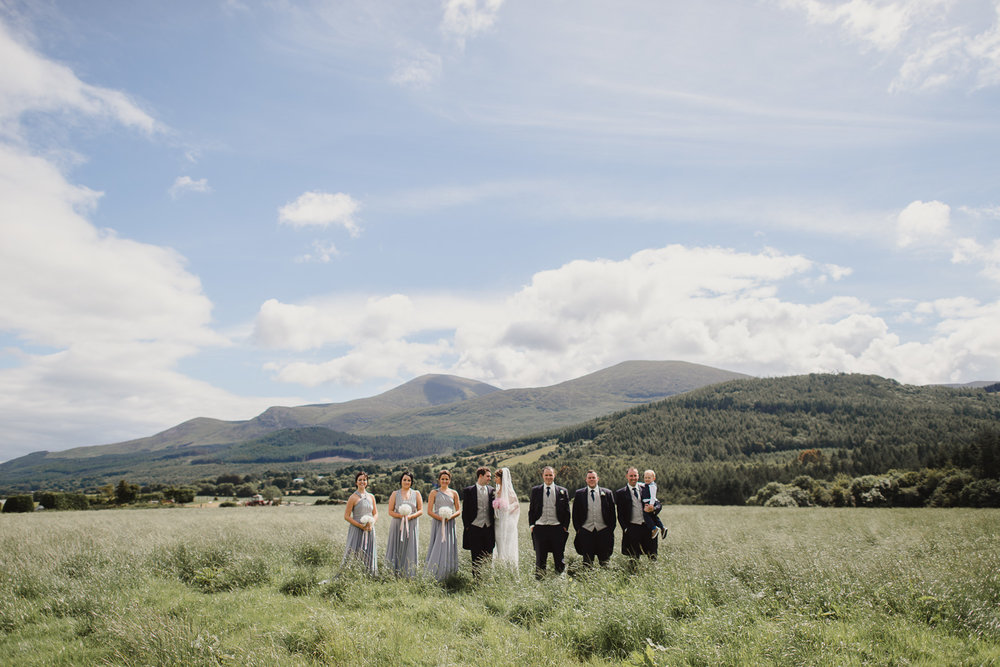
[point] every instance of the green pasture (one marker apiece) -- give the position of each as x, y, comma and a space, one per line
733, 586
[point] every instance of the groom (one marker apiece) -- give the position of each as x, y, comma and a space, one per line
548, 521
477, 518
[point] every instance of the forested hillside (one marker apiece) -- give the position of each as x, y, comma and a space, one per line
720, 444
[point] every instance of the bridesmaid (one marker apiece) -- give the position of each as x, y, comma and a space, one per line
405, 506
442, 557
361, 536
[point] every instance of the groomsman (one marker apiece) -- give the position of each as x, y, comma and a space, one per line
636, 538
478, 519
548, 521
594, 521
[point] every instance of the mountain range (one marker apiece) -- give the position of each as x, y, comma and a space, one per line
445, 411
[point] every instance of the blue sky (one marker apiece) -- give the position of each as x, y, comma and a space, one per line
208, 208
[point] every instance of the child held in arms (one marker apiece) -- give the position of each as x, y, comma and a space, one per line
652, 519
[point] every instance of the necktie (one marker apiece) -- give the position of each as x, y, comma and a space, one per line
635, 493
591, 495
548, 491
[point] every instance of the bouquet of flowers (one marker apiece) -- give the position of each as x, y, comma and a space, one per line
366, 520
404, 525
445, 513
499, 504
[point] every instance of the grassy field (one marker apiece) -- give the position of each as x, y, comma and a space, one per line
734, 586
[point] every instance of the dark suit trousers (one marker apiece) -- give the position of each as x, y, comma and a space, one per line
637, 541
652, 521
481, 542
592, 543
549, 540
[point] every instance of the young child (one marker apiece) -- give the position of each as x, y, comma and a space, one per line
651, 519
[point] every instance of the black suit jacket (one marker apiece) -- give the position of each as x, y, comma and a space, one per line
562, 505
580, 501
470, 507
623, 500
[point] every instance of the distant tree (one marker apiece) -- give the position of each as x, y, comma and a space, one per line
245, 490
55, 500
179, 495
126, 493
811, 456
107, 493
271, 493
22, 503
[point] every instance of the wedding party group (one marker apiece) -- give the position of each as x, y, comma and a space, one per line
490, 515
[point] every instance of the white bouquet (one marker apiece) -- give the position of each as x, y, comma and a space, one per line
366, 520
404, 525
445, 513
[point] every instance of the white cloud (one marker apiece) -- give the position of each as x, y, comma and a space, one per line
881, 25
707, 305
466, 18
968, 250
922, 223
933, 64
29, 81
985, 48
938, 41
928, 225
322, 209
419, 70
98, 393
322, 251
62, 280
370, 359
441, 197
187, 184
981, 211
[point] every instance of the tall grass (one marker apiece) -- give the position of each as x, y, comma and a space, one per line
736, 586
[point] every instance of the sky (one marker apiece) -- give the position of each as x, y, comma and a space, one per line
208, 207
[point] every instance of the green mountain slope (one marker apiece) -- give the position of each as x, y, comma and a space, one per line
444, 405
431, 414
517, 412
728, 439
422, 392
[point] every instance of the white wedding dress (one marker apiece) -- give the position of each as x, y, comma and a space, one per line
506, 515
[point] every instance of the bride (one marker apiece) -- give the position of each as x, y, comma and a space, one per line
507, 512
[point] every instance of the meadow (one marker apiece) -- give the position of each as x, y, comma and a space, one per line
733, 586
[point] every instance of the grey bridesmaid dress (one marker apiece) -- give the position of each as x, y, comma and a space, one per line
442, 557
401, 550
361, 544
